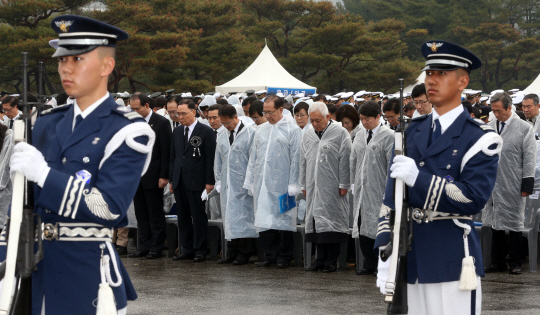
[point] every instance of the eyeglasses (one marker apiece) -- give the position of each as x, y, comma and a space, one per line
225, 124
420, 102
298, 115
7, 110
173, 113
183, 114
268, 113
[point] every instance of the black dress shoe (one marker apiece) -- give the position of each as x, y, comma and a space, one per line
283, 265
496, 268
240, 262
225, 261
183, 256
315, 268
121, 250
138, 254
264, 263
153, 255
515, 270
199, 258
330, 268
364, 272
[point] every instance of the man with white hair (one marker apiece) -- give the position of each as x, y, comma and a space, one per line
324, 176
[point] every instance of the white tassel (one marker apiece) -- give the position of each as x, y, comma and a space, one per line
106, 304
468, 279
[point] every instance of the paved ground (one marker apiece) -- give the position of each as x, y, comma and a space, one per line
185, 287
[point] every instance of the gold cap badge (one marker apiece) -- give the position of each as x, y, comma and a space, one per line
63, 25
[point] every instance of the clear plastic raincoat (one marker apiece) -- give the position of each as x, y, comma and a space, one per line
505, 209
273, 170
324, 169
230, 167
369, 170
6, 186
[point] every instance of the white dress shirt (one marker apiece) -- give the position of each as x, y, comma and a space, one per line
190, 129
447, 119
147, 118
374, 132
87, 111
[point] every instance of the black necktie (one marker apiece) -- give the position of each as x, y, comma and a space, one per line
370, 134
231, 137
436, 132
78, 121
501, 127
11, 124
186, 132
215, 131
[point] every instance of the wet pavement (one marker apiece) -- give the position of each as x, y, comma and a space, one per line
184, 287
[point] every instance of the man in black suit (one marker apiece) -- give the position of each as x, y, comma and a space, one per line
192, 177
148, 200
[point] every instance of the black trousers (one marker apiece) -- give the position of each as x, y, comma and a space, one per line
277, 246
501, 246
150, 219
327, 254
371, 260
192, 220
240, 248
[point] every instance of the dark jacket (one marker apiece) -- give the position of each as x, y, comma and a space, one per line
194, 167
159, 164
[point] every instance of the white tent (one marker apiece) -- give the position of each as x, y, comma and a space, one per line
419, 80
534, 87
264, 72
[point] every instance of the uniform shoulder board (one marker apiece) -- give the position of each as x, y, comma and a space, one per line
55, 109
481, 124
132, 115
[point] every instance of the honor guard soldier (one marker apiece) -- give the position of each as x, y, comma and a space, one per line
450, 167
86, 161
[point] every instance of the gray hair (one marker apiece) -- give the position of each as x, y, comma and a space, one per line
532, 97
502, 97
319, 107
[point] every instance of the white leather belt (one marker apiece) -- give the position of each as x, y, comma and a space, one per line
76, 232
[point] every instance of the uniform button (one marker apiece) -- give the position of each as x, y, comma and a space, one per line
64, 160
86, 159
448, 166
421, 163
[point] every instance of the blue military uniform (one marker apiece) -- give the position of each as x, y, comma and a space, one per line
95, 168
457, 169
437, 250
81, 216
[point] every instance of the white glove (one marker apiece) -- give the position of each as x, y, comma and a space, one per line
405, 169
28, 161
352, 189
217, 187
250, 192
382, 272
293, 190
204, 195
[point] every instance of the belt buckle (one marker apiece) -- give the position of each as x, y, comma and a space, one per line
50, 231
420, 215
